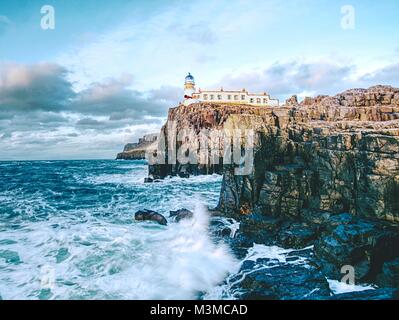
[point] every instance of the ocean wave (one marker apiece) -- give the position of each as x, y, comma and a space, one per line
68, 232
102, 260
194, 179
128, 178
133, 177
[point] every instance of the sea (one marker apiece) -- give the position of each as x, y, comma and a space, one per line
67, 231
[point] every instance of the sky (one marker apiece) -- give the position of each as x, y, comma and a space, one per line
109, 70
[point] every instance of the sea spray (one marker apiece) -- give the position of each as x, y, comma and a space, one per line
103, 260
194, 262
68, 233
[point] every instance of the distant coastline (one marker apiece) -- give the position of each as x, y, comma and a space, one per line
137, 150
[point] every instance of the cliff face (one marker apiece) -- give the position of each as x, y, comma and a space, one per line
137, 150
326, 173
331, 154
335, 154
206, 116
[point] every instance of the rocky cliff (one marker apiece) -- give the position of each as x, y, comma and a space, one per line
206, 116
326, 173
137, 150
328, 153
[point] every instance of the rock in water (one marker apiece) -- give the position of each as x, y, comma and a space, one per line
271, 279
181, 214
390, 274
148, 180
184, 175
149, 215
296, 236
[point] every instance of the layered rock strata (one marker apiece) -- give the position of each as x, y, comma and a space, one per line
325, 173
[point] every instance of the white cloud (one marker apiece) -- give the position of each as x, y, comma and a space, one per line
197, 37
41, 117
32, 87
309, 78
285, 78
386, 75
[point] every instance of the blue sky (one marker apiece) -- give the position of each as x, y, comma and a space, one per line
112, 68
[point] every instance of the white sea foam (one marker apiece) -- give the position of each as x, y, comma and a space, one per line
137, 176
97, 251
194, 179
258, 251
133, 174
129, 178
341, 287
104, 260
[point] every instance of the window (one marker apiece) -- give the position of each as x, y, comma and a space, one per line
205, 97
219, 97
236, 97
243, 97
212, 97
258, 100
264, 100
251, 100
228, 97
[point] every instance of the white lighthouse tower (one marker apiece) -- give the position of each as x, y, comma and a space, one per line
189, 88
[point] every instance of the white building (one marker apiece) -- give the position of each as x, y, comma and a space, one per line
191, 95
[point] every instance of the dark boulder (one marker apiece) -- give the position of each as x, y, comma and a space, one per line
259, 228
348, 244
384, 257
389, 276
364, 244
271, 279
297, 235
240, 245
220, 229
315, 218
181, 214
184, 175
149, 215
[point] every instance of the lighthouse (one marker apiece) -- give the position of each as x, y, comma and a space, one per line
232, 97
189, 87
